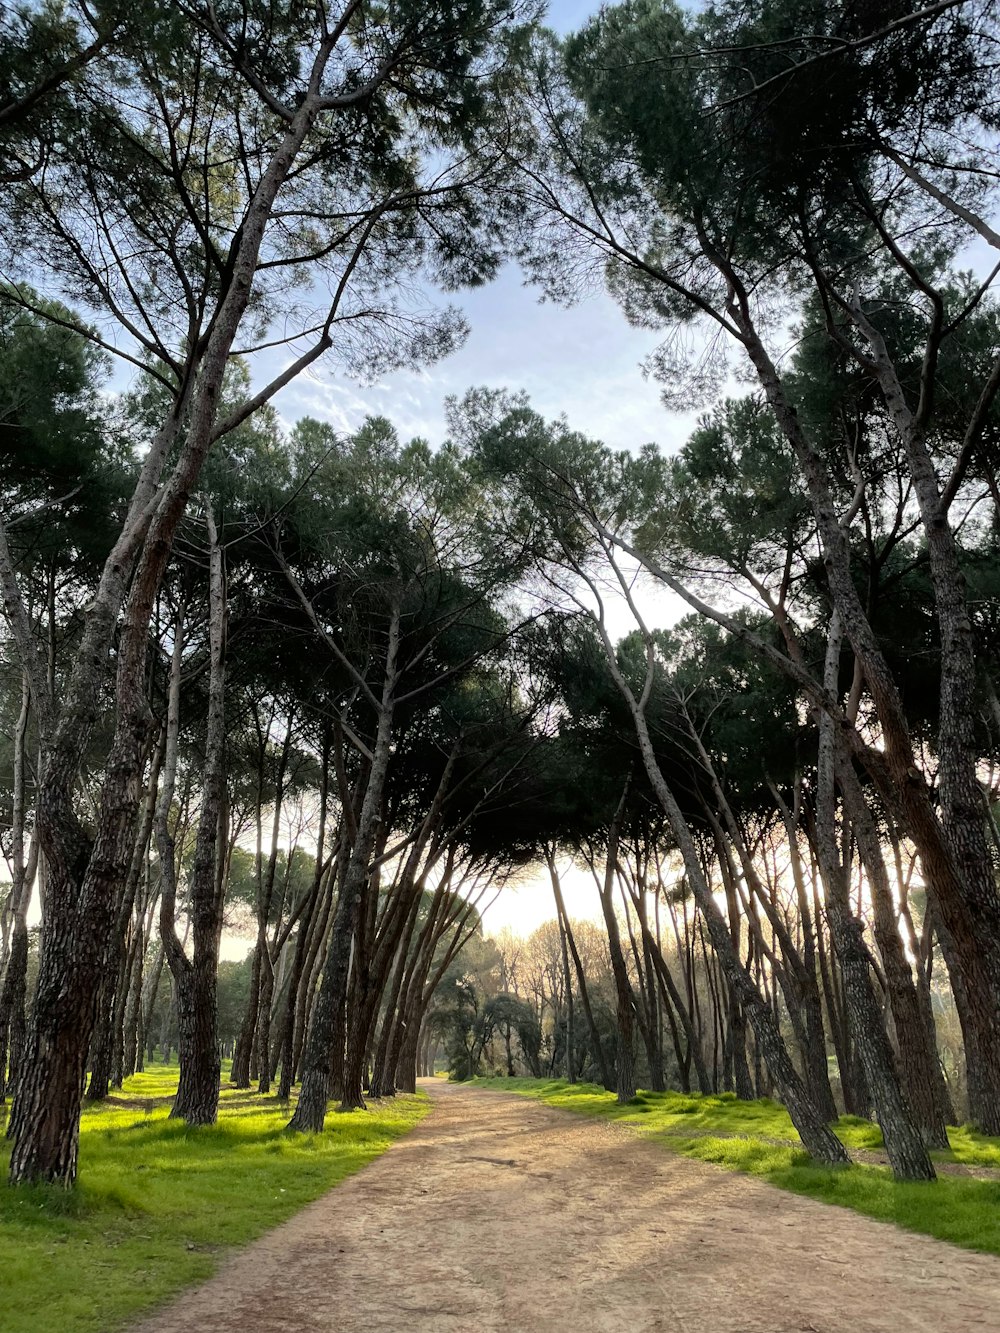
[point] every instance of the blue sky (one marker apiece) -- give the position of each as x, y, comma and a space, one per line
583, 362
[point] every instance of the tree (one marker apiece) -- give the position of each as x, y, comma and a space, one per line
197, 253
694, 158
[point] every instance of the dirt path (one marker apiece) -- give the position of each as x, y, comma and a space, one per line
502, 1215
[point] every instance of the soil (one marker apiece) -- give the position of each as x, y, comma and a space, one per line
500, 1214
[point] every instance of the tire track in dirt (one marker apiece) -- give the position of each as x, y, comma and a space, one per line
497, 1214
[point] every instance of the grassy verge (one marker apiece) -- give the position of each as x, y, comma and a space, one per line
158, 1205
759, 1139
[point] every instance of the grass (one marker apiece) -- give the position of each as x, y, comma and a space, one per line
758, 1138
158, 1206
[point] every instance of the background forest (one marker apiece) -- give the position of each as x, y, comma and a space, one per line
336, 689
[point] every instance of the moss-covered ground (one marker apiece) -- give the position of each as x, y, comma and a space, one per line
758, 1138
158, 1206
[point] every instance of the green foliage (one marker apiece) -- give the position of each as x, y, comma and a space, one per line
159, 1206
758, 1138
63, 472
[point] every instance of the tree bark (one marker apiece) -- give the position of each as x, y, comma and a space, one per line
310, 1113
817, 1138
903, 1143
595, 1035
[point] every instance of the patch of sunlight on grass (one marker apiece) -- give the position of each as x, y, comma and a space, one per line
758, 1138
158, 1204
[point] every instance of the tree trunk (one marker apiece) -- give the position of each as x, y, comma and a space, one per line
917, 1057
310, 1113
595, 1036
953, 850
816, 1136
903, 1143
625, 1087
84, 878
13, 992
568, 982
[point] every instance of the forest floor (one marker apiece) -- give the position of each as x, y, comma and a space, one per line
500, 1213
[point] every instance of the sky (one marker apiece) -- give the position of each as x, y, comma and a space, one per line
583, 363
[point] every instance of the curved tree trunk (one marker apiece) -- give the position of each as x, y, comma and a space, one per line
816, 1135
917, 1058
84, 876
903, 1143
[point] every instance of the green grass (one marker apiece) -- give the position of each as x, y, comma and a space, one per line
158, 1206
758, 1138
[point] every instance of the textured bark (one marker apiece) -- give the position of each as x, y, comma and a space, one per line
262, 1040
917, 1057
99, 1084
310, 1113
797, 981
946, 1109
383, 1072
410, 1005
820, 1142
13, 992
903, 1143
625, 1086
12, 1001
953, 851
645, 994
302, 937
195, 979
568, 983
406, 1069
287, 1056
423, 983
85, 881
316, 951
267, 955
114, 985
384, 962
239, 1073
132, 1036
960, 795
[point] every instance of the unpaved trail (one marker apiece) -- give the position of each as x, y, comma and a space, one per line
498, 1213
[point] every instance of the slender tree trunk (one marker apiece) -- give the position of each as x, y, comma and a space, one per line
383, 1074
625, 1086
917, 1058
595, 1035
904, 1145
568, 982
13, 992
85, 879
816, 1136
310, 1113
953, 849
196, 979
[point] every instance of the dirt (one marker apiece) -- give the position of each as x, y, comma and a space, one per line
498, 1213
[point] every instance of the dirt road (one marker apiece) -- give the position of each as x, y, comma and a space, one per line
497, 1213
